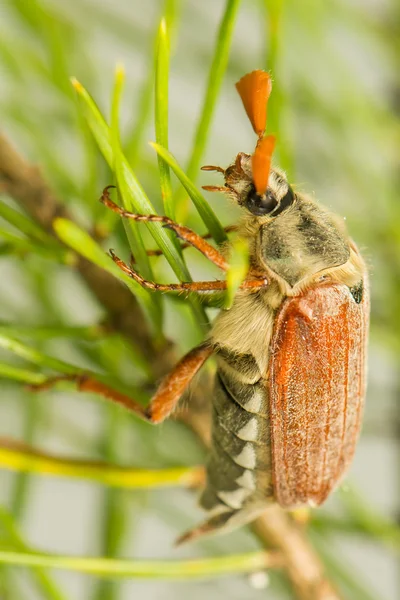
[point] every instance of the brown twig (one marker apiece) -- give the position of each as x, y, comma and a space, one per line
275, 528
24, 183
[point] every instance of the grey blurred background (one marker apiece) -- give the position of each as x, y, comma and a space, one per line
336, 71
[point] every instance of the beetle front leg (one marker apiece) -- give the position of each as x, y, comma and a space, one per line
206, 236
187, 235
164, 400
218, 285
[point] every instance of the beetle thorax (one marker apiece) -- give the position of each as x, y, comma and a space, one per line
292, 238
302, 242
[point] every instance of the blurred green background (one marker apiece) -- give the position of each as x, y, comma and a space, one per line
335, 108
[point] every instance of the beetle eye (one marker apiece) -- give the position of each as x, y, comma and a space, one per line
260, 205
267, 203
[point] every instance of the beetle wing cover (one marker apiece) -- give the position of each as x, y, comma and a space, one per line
317, 388
254, 90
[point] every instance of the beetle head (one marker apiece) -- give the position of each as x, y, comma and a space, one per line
250, 180
240, 184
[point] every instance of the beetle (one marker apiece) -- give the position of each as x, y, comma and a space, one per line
291, 351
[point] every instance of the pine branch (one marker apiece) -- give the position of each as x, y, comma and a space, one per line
23, 182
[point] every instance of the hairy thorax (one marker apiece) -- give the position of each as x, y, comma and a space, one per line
302, 248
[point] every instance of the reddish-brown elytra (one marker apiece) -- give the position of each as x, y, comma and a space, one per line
290, 352
316, 387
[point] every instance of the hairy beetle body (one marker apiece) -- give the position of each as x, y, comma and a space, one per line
291, 351
290, 383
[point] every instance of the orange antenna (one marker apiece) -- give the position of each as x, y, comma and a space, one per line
254, 90
261, 163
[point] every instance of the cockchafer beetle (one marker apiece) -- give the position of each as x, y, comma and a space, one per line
291, 351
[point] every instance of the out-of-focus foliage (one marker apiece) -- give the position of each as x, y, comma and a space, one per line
334, 109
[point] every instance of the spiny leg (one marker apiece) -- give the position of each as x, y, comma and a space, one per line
158, 252
164, 400
186, 234
185, 286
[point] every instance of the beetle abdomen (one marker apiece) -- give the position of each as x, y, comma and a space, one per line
239, 465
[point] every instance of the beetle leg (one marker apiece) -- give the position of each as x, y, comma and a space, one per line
164, 400
186, 286
187, 235
158, 252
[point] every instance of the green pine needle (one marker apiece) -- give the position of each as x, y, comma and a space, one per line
19, 458
215, 78
206, 568
238, 269
45, 584
161, 114
206, 213
140, 202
